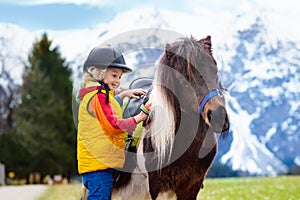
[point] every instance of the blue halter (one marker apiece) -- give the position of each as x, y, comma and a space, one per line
207, 97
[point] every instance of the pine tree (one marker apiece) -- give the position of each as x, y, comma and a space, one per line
44, 117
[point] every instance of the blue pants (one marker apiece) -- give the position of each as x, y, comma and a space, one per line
99, 184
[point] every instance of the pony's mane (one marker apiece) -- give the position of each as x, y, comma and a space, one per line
176, 87
163, 126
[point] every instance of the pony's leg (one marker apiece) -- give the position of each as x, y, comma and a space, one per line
156, 186
153, 189
183, 193
191, 192
84, 193
136, 189
170, 195
157, 194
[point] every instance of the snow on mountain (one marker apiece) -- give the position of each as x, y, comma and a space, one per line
247, 153
262, 75
259, 66
15, 43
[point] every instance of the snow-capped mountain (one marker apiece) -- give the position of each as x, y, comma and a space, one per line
264, 94
260, 68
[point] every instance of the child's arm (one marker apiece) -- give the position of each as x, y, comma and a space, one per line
105, 115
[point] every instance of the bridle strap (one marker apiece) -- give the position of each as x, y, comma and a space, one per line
207, 97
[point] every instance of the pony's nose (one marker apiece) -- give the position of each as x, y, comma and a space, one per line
218, 119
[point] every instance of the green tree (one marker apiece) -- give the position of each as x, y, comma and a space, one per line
44, 116
220, 170
13, 155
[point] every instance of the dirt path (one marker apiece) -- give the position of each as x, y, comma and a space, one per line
24, 192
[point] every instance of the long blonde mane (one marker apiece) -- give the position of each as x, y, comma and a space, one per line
163, 126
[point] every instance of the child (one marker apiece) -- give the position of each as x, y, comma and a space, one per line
101, 129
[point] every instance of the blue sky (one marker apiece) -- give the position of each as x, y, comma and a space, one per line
66, 14
77, 14
54, 16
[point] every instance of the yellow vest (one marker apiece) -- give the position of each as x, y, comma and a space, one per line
99, 145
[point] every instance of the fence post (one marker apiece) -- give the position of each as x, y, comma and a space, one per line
2, 174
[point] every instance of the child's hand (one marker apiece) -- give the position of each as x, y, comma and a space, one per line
140, 117
144, 114
132, 93
148, 104
136, 93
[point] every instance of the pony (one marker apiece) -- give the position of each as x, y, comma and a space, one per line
188, 110
179, 144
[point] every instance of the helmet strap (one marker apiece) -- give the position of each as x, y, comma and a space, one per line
102, 84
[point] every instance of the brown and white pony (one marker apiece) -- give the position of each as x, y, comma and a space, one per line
188, 109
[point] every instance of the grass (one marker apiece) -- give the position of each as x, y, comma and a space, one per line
62, 192
252, 188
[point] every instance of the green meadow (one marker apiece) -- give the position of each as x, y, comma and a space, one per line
250, 188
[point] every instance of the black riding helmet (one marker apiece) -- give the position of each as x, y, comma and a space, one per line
106, 56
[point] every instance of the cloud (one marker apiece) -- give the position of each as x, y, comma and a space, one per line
283, 6
44, 2
236, 5
286, 6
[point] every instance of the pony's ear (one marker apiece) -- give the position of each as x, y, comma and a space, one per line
168, 51
206, 43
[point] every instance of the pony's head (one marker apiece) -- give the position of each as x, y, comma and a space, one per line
212, 105
189, 72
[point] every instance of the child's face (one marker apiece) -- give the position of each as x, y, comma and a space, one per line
112, 77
